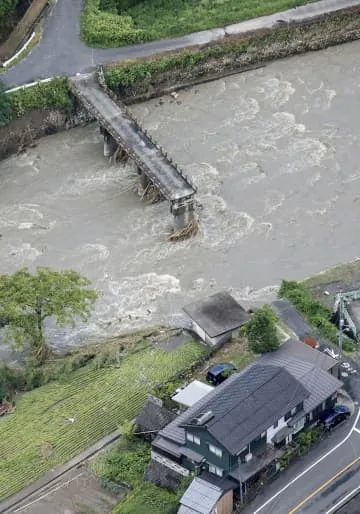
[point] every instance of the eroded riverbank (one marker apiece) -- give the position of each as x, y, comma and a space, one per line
274, 155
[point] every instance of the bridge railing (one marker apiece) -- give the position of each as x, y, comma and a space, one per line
102, 82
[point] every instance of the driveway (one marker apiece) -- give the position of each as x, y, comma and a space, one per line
319, 483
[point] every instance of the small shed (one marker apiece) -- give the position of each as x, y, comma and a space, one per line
192, 393
215, 319
202, 497
153, 417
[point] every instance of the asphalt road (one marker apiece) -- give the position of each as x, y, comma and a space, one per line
61, 51
319, 482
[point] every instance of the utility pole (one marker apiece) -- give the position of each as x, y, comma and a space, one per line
341, 321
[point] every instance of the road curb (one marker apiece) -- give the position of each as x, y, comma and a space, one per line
7, 506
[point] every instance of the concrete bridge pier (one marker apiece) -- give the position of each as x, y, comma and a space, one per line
110, 145
183, 211
144, 180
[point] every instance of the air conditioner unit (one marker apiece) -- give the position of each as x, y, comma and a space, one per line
248, 457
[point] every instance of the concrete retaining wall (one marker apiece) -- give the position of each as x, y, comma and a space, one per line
263, 46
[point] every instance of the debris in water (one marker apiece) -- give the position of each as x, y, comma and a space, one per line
190, 230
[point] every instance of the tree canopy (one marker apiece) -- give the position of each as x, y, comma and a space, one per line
27, 299
261, 331
5, 106
7, 7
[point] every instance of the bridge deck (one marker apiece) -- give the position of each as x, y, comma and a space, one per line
126, 132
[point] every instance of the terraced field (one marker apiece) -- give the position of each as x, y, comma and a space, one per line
54, 423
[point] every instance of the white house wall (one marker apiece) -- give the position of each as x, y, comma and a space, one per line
199, 331
270, 432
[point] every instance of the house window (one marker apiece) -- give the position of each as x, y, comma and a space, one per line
192, 438
215, 450
275, 425
215, 470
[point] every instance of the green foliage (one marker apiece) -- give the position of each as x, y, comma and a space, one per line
99, 401
156, 19
314, 311
128, 430
125, 464
55, 93
5, 106
28, 299
261, 331
105, 29
148, 498
7, 7
306, 438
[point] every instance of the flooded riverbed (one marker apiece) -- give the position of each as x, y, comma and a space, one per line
274, 153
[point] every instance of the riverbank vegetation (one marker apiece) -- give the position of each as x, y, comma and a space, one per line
44, 95
112, 23
55, 422
148, 77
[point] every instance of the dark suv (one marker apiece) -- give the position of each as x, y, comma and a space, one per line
338, 414
220, 372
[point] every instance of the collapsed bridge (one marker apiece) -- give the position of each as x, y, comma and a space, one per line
120, 128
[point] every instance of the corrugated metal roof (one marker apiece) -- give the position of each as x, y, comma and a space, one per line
217, 314
201, 496
298, 350
192, 393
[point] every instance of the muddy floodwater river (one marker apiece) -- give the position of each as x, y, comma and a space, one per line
275, 155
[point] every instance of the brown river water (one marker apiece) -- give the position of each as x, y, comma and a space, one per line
275, 155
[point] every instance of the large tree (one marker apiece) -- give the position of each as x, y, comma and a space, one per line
5, 106
27, 299
261, 331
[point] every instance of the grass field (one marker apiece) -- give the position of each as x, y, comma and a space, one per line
39, 435
157, 19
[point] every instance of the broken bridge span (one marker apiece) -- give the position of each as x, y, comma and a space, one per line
120, 128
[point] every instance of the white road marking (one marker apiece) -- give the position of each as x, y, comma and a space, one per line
300, 475
49, 492
344, 500
356, 430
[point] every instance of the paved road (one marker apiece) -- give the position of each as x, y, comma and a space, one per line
319, 484
61, 51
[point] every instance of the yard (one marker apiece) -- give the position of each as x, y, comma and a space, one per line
149, 20
55, 422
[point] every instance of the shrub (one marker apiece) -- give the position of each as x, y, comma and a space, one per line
55, 93
261, 331
5, 106
108, 29
314, 311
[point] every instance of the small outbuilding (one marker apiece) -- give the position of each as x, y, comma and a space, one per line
153, 417
203, 497
190, 394
217, 318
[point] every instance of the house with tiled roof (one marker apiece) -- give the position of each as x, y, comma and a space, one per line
242, 426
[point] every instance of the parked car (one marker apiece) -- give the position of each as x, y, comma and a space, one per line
220, 372
338, 414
